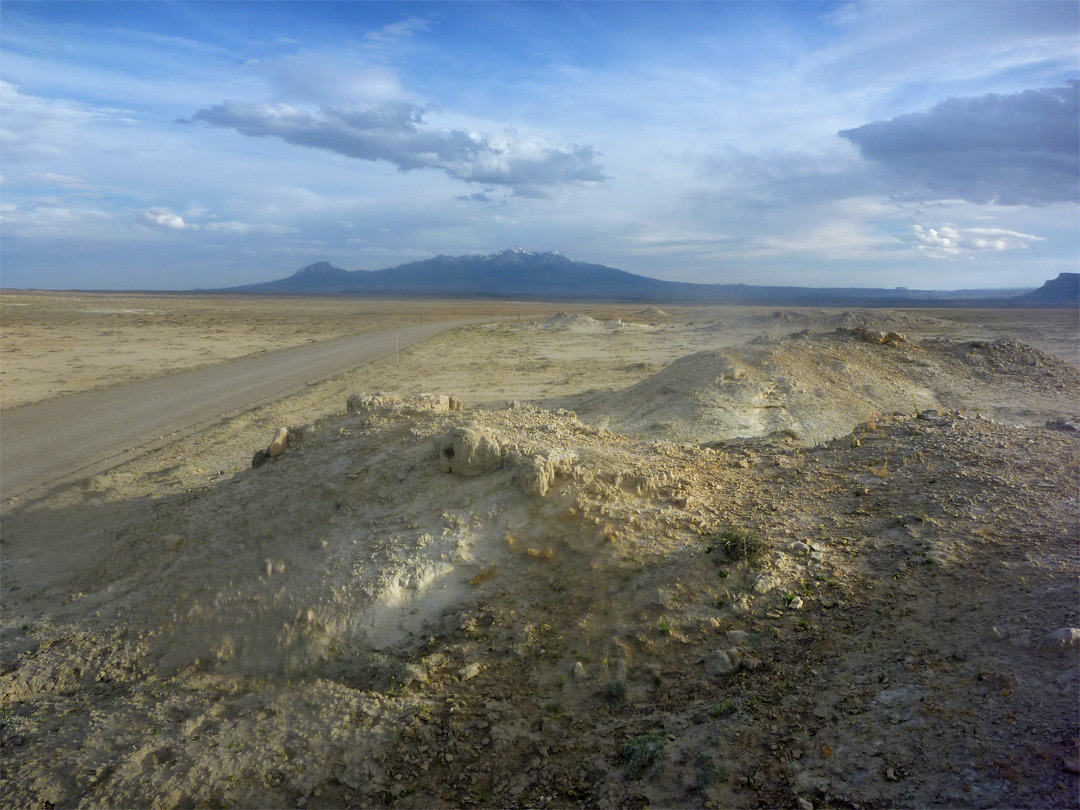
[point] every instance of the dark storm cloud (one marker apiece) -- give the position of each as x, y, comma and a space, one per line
1020, 149
395, 132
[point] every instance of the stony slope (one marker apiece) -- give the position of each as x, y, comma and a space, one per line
813, 386
572, 617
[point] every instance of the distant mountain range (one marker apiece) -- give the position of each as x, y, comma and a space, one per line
521, 273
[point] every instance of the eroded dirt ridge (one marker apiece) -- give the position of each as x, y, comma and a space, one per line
864, 601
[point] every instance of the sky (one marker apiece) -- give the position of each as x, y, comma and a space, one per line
158, 145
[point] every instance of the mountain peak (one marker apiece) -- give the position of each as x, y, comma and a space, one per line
319, 269
520, 251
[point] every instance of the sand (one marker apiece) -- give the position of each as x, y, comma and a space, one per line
878, 554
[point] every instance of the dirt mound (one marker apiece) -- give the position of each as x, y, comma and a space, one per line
652, 313
664, 624
828, 319
812, 387
572, 322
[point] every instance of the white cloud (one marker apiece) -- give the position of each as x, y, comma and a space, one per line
54, 221
399, 30
905, 43
244, 228
947, 242
164, 218
53, 179
396, 132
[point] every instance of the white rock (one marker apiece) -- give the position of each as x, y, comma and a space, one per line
469, 671
766, 583
301, 433
738, 637
279, 444
742, 604
534, 473
469, 451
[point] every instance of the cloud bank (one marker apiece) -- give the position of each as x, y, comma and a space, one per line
166, 218
395, 132
1018, 149
948, 242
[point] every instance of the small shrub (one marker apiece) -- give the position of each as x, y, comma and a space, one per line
615, 692
738, 544
641, 752
724, 707
709, 772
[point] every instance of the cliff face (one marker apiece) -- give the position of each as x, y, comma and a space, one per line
1063, 291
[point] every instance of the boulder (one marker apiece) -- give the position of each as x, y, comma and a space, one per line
360, 402
469, 450
357, 403
868, 335
280, 443
301, 433
1059, 640
534, 473
719, 663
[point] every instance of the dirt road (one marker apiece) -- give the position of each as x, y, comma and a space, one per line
45, 442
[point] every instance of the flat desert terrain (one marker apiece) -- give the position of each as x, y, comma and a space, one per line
605, 556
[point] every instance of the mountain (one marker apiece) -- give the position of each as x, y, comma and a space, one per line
521, 273
511, 273
1063, 291
321, 277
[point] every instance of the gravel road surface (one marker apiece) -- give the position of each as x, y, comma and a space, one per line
46, 442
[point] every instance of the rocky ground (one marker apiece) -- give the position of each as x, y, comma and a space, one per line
431, 601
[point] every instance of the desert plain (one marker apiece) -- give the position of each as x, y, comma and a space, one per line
568, 555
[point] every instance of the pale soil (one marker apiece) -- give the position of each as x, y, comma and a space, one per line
52, 344
350, 626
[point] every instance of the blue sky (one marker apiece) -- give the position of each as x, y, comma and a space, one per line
177, 145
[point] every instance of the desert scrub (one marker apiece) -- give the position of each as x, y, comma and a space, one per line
615, 692
709, 772
723, 708
737, 544
641, 752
